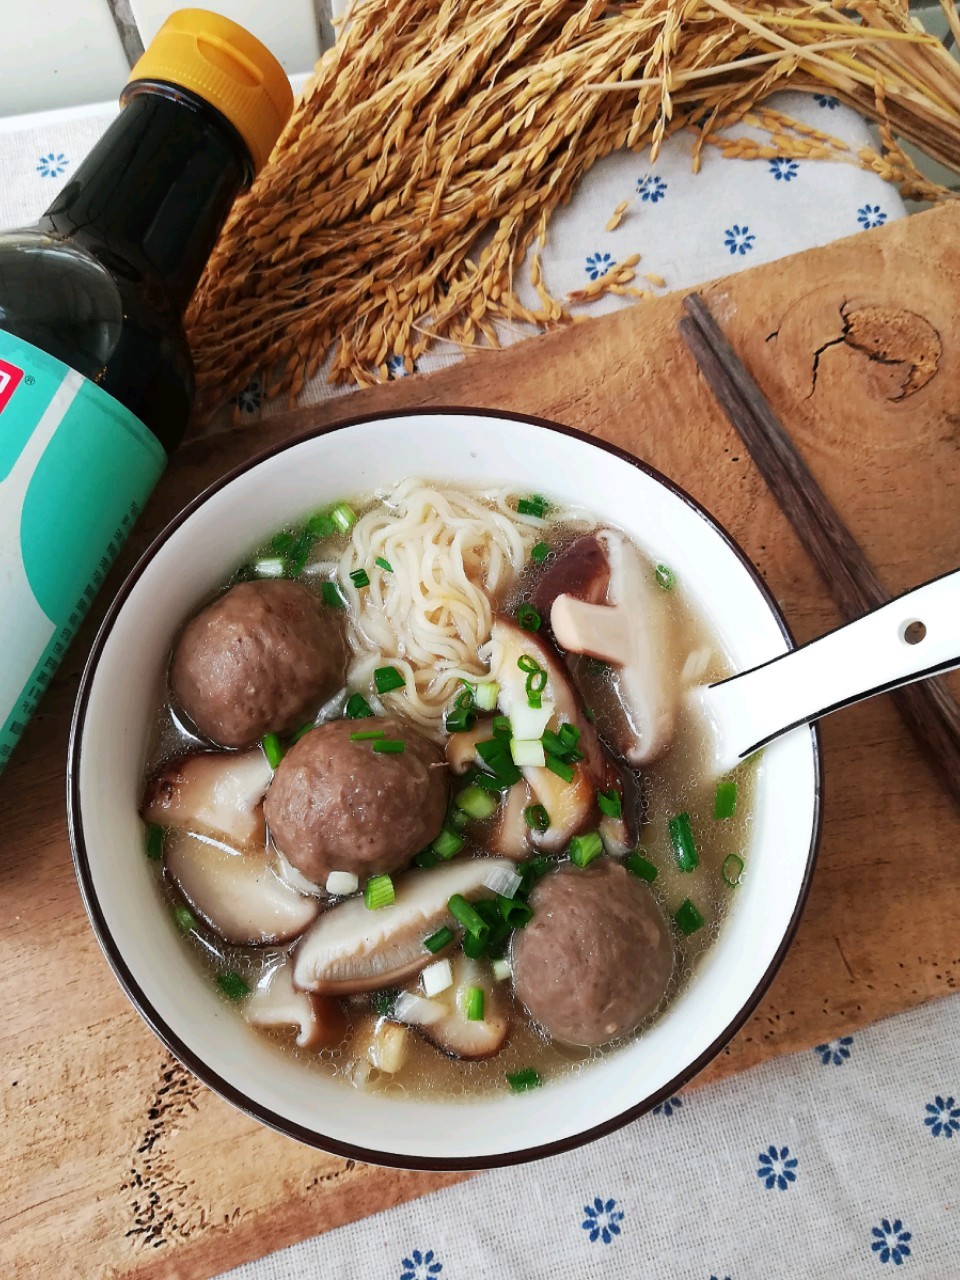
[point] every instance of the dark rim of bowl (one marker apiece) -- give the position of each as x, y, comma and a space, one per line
186, 1055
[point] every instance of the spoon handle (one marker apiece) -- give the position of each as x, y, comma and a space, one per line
913, 637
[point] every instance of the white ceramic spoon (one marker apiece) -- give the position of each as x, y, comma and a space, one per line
913, 637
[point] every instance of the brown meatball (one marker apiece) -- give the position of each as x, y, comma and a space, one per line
258, 660
596, 957
337, 805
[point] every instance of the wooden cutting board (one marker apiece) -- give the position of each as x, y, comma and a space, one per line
114, 1162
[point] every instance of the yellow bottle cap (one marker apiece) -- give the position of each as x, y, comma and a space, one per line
225, 65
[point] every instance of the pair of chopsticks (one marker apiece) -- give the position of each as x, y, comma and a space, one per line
926, 707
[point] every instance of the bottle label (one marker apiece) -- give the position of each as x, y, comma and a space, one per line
75, 469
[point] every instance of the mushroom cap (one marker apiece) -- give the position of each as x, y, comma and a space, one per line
320, 1021
217, 793
457, 1035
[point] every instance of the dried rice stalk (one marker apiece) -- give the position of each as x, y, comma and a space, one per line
438, 136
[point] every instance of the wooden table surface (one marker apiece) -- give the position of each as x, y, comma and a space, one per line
115, 1162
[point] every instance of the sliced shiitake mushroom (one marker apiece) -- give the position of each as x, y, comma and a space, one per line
217, 793
450, 1029
238, 894
320, 1020
509, 836
352, 949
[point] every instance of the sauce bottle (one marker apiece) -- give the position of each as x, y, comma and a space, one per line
96, 379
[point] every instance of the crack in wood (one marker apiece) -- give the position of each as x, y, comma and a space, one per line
893, 337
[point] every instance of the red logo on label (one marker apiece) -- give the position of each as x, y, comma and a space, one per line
10, 379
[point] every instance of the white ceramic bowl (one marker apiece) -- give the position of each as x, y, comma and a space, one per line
121, 688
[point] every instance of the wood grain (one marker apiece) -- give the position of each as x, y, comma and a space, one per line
115, 1163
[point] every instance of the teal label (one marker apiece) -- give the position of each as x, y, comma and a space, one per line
75, 470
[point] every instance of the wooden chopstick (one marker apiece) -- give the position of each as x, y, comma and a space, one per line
926, 707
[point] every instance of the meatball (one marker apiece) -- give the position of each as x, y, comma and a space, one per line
596, 957
258, 660
338, 805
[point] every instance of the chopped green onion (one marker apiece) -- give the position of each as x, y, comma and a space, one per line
303, 731
534, 700
665, 577
536, 681
559, 767
333, 596
502, 727
611, 803
272, 749
521, 1081
487, 695
232, 985
282, 543
270, 567
300, 554
638, 865
527, 753
358, 708
725, 802
363, 734
462, 717
491, 783
561, 746
516, 914
533, 506
536, 817
184, 918
528, 618
437, 941
476, 803
732, 869
471, 919
488, 911
495, 754
460, 820
426, 858
320, 526
447, 844
526, 663
532, 871
473, 1004
153, 842
386, 679
343, 516
539, 553
688, 919
684, 846
382, 1002
385, 565
388, 746
378, 892
583, 849
360, 578
569, 735
473, 946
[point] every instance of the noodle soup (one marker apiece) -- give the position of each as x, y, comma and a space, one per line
424, 797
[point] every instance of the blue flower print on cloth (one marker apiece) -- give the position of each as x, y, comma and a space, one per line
52, 165
249, 399
784, 170
826, 100
668, 1108
598, 264
891, 1241
835, 1052
420, 1266
602, 1220
871, 215
777, 1168
943, 1117
738, 239
652, 188
397, 367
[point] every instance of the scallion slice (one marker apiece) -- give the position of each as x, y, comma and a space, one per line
501, 727
448, 844
611, 803
363, 734
469, 917
473, 946
360, 578
343, 516
437, 941
638, 866
502, 969
320, 526
687, 918
536, 817
665, 577
725, 801
535, 505
270, 567
487, 695
153, 842
515, 913
232, 985
473, 1004
358, 708
527, 753
532, 871
539, 553
333, 596
462, 717
561, 746
526, 663
272, 749
477, 803
521, 1081
583, 849
569, 735
385, 565
386, 679
426, 858
300, 554
282, 543
184, 919
559, 767
378, 892
732, 869
528, 618
388, 746
460, 820
684, 845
